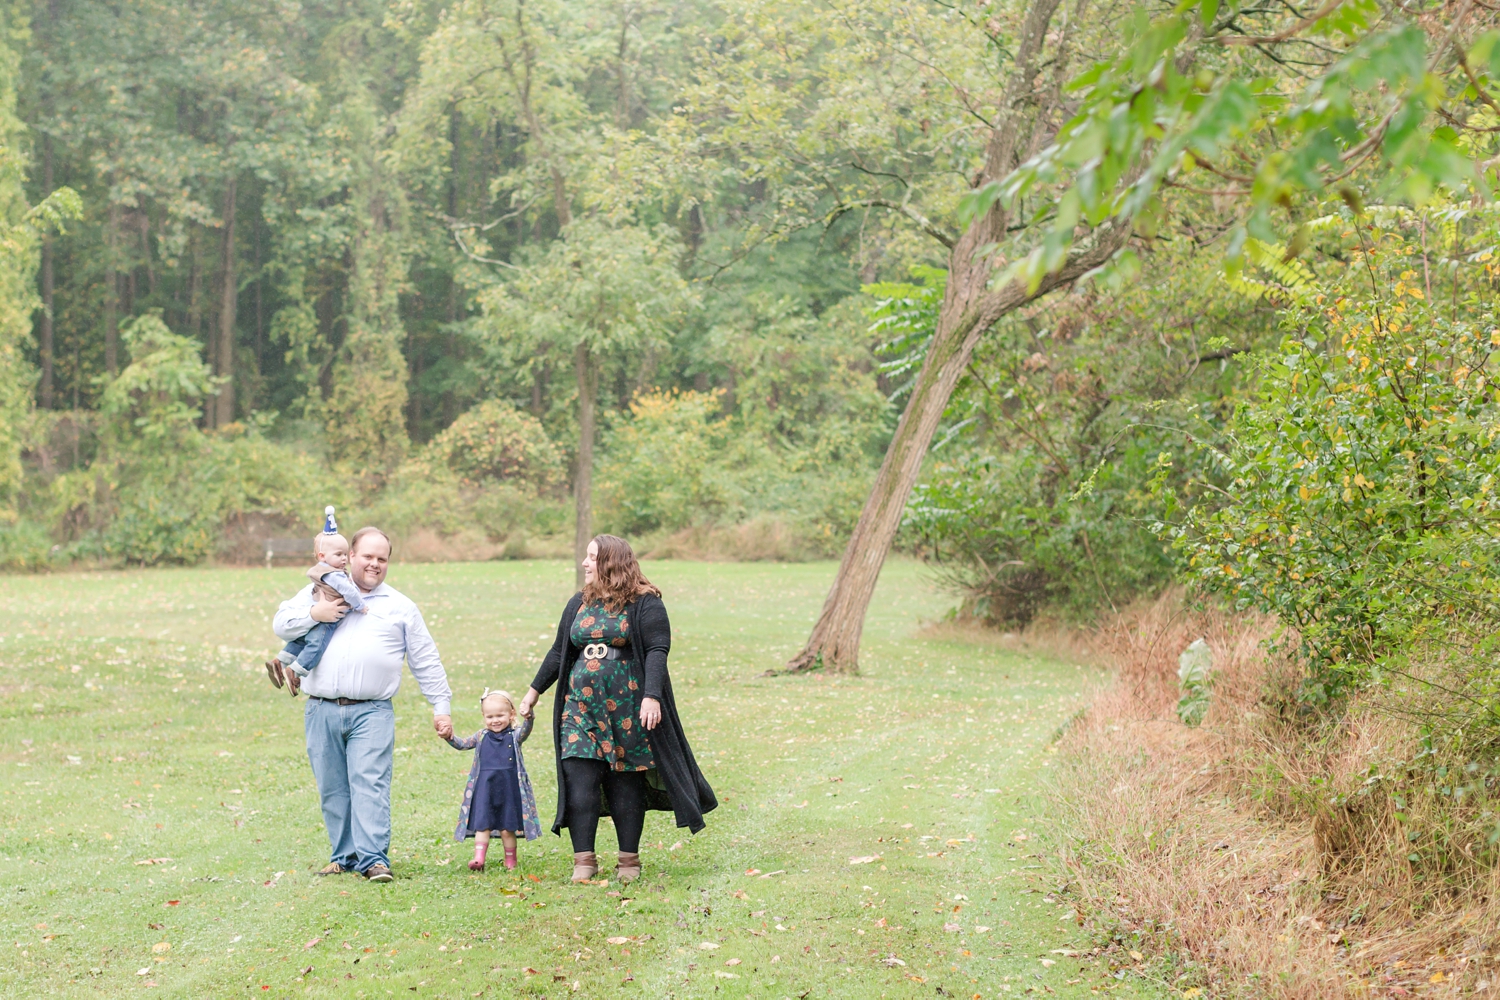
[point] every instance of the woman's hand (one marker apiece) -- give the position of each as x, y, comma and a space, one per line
328, 611
650, 713
528, 703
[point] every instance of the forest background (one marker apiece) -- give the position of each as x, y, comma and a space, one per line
1074, 300
416, 259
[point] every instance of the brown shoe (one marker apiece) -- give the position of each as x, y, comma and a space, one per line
585, 866
628, 868
379, 873
332, 868
274, 671
293, 683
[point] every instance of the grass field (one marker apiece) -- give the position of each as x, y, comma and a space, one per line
875, 838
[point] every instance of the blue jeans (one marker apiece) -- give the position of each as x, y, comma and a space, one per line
308, 650
351, 748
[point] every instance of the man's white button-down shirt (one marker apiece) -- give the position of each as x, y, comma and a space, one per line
363, 657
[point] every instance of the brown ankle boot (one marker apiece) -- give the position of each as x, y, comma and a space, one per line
628, 868
585, 866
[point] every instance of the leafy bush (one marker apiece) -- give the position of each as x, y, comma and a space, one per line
495, 441
1362, 505
663, 467
1058, 451
1362, 501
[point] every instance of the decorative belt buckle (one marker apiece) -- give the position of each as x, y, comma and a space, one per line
596, 651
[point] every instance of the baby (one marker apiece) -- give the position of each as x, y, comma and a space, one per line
498, 795
330, 582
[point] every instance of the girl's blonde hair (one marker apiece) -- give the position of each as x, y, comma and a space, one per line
502, 695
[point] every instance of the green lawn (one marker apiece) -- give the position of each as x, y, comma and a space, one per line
159, 824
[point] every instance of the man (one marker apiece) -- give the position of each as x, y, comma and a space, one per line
350, 725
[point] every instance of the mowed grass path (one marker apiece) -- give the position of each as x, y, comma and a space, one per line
875, 835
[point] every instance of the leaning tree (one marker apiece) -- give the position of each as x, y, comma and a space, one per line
1041, 180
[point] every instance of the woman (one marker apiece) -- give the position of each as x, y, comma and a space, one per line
619, 744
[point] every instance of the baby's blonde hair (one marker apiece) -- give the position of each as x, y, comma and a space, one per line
321, 539
501, 695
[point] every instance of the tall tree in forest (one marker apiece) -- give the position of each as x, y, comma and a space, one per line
610, 282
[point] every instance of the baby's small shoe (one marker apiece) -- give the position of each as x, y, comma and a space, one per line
274, 672
510, 860
585, 866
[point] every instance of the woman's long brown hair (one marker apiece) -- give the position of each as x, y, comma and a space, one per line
618, 579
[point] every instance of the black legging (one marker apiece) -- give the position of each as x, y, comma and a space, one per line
627, 802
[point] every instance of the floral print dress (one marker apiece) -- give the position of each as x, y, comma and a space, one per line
601, 716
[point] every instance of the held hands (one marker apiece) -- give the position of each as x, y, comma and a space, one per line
444, 725
328, 611
528, 703
650, 713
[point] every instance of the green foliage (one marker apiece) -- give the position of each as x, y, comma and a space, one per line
155, 404
1074, 434
665, 468
1359, 507
1187, 96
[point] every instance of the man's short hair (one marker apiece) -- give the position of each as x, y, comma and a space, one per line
369, 530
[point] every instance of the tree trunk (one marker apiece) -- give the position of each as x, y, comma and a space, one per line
46, 331
583, 478
969, 309
229, 294
111, 294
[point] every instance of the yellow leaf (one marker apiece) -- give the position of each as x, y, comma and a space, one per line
161, 947
1437, 977
1304, 493
1137, 956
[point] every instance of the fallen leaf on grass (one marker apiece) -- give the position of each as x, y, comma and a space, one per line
706, 946
982, 929
1048, 962
733, 961
866, 859
675, 846
1137, 956
952, 928
779, 871
741, 894
726, 975
1064, 952
311, 944
891, 961
161, 947
153, 861
534, 878
306, 972
752, 871
916, 979
530, 971
173, 902
880, 922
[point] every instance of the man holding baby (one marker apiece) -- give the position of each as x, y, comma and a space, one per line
349, 721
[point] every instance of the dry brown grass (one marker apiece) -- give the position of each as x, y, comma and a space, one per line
762, 539
1254, 847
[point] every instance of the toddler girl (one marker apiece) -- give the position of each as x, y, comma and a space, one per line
498, 796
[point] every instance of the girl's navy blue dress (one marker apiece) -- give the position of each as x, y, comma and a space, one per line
497, 788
